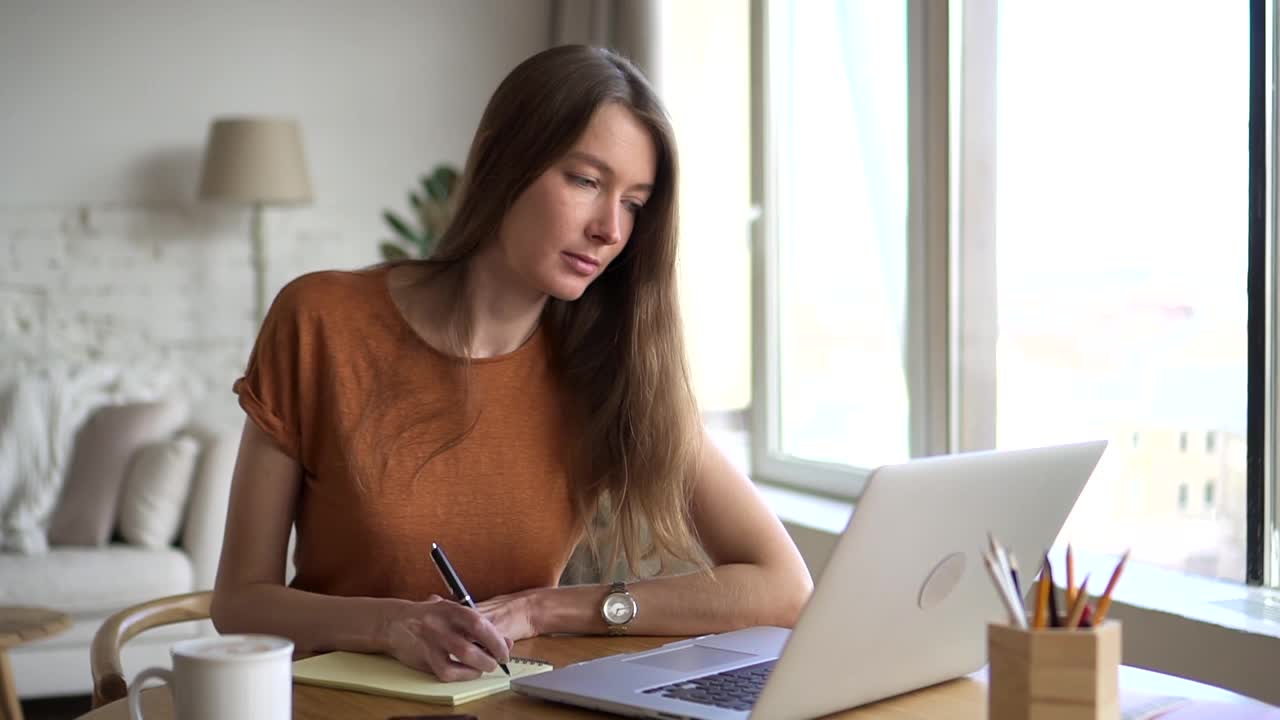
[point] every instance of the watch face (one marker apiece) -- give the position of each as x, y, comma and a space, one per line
618, 608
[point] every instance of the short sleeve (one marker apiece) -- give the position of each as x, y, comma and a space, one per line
272, 389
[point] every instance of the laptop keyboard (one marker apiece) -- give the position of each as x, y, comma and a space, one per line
735, 689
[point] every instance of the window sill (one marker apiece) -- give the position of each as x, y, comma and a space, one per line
1244, 608
799, 508
1228, 605
1222, 633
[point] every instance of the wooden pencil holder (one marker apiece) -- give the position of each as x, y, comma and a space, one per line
1053, 673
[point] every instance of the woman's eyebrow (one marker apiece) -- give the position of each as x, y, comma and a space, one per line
604, 167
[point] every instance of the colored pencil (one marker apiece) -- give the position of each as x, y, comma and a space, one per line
1077, 608
1042, 598
1104, 604
1071, 577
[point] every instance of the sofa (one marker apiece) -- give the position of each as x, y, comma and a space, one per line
91, 580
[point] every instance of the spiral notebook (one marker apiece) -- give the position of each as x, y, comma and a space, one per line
383, 675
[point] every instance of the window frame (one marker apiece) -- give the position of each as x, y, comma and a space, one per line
927, 338
1262, 477
949, 353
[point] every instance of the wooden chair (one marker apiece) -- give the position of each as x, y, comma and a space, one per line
104, 654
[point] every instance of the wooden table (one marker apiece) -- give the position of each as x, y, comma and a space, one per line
20, 625
961, 699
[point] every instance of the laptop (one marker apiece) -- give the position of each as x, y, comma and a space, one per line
902, 604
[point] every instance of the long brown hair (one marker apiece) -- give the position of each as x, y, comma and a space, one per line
619, 347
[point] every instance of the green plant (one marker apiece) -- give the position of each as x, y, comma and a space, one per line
432, 210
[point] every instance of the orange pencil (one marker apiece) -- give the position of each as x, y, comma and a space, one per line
1042, 597
1071, 577
1077, 608
1104, 604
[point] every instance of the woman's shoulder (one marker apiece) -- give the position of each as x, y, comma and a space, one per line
328, 291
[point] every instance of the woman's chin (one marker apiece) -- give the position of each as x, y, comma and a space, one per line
567, 291
568, 296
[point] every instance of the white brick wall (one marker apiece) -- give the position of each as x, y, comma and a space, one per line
169, 287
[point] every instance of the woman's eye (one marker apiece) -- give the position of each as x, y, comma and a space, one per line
633, 206
584, 181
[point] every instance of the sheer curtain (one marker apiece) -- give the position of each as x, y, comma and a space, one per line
629, 27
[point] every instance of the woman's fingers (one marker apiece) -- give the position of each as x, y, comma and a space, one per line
450, 640
478, 628
470, 654
449, 670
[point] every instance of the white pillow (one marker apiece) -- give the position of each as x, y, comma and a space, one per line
154, 497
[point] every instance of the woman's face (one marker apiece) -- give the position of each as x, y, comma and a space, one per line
567, 226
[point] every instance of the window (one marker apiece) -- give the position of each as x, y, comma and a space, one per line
838, 115
843, 352
1093, 284
1139, 322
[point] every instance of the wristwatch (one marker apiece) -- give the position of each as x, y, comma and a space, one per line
618, 609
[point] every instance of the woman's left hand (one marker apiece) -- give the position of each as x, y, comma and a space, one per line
512, 614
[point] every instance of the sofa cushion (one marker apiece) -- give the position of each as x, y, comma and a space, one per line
155, 491
86, 511
83, 581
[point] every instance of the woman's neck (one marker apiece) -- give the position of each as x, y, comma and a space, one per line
501, 317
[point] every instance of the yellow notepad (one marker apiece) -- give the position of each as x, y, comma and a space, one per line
382, 675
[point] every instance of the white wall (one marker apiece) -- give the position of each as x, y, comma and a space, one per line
105, 253
705, 61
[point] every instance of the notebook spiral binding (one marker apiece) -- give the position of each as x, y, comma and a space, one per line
529, 660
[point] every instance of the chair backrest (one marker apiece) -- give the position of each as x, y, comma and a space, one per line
104, 654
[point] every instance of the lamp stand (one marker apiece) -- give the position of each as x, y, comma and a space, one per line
259, 261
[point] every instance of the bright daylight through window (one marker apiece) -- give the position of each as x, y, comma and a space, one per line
1117, 283
1121, 262
838, 112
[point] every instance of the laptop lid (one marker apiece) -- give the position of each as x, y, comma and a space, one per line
903, 602
905, 599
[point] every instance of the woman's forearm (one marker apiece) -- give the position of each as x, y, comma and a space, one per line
735, 596
315, 623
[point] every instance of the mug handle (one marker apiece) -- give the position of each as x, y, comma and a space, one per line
135, 688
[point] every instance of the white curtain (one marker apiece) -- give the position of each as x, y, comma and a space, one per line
629, 27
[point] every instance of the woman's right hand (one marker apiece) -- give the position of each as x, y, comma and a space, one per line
447, 639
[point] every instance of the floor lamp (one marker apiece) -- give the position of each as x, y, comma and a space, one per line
257, 161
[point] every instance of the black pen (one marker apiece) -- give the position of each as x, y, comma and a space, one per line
456, 587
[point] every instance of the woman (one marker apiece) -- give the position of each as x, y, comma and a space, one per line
491, 400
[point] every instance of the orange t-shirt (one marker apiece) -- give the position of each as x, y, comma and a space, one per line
348, 389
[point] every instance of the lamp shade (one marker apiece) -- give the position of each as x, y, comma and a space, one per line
255, 160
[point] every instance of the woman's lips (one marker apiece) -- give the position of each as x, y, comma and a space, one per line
581, 264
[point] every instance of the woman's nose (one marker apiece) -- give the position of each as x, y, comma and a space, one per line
606, 227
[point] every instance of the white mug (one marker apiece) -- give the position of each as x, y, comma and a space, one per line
225, 677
